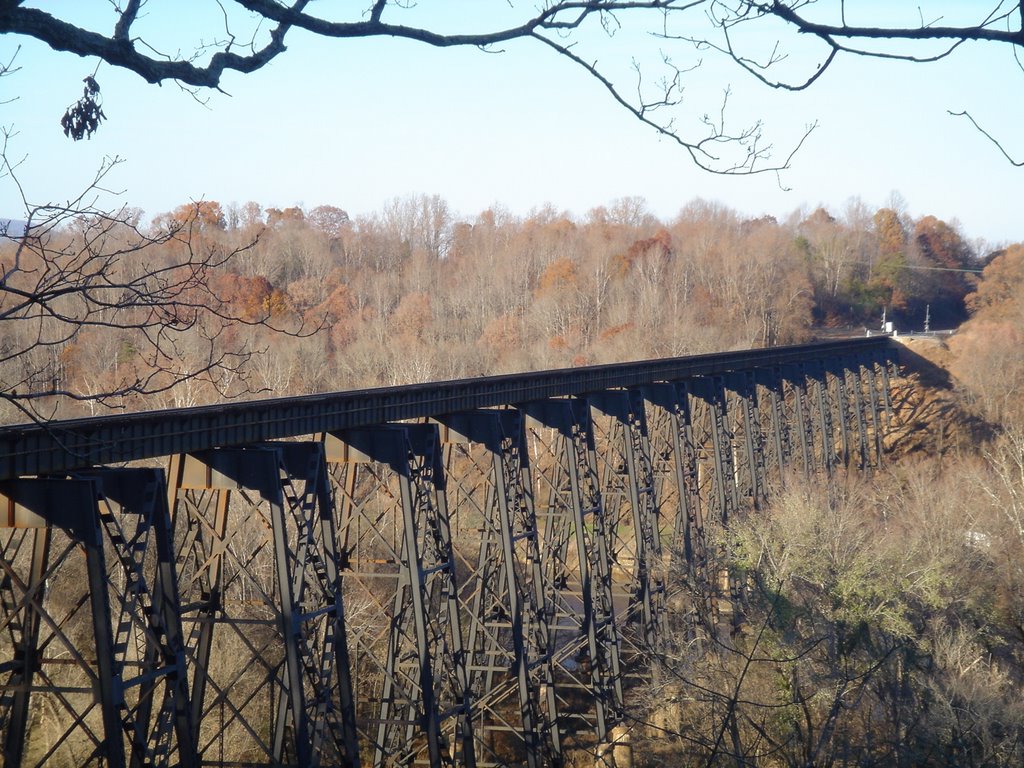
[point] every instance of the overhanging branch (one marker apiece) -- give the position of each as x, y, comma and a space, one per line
554, 24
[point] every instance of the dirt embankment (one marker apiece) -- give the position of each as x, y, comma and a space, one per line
929, 412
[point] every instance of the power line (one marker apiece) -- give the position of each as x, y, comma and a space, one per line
920, 266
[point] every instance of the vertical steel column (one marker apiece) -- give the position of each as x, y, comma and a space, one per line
291, 696
687, 476
884, 361
661, 450
801, 415
688, 563
525, 527
677, 446
778, 458
716, 438
724, 496
138, 652
201, 544
816, 374
648, 523
854, 373
21, 612
109, 676
839, 405
233, 586
575, 512
631, 505
263, 575
750, 474
508, 637
868, 366
133, 513
93, 675
411, 657
314, 620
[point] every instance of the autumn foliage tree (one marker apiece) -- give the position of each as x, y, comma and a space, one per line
251, 299
204, 215
98, 309
947, 260
889, 277
989, 349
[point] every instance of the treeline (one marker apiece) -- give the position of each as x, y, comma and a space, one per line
311, 300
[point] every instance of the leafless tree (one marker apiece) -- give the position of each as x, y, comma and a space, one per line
252, 33
85, 288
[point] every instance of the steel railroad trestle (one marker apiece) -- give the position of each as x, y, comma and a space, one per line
462, 573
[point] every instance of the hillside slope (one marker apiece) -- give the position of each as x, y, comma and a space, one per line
929, 413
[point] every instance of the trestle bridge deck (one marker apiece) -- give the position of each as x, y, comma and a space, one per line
461, 572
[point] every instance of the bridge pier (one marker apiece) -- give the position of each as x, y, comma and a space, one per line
130, 663
262, 606
676, 447
410, 656
778, 447
584, 636
505, 589
631, 504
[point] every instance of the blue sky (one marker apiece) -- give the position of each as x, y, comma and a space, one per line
357, 123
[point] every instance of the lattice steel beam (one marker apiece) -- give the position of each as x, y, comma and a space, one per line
575, 552
410, 657
505, 589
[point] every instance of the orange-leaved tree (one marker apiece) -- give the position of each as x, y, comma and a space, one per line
989, 348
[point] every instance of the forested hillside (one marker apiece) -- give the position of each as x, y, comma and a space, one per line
258, 302
873, 621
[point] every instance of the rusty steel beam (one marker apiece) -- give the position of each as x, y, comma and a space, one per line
63, 446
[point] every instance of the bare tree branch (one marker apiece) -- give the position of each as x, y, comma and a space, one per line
990, 137
128, 16
754, 154
560, 25
984, 30
77, 281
